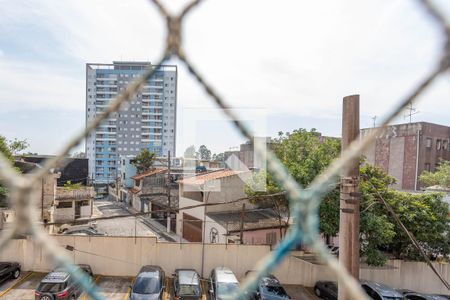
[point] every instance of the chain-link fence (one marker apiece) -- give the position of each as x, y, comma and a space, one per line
304, 202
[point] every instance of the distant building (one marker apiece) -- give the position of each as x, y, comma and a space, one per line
148, 121
72, 169
70, 204
406, 150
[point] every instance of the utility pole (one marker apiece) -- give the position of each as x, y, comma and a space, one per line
168, 192
350, 196
241, 235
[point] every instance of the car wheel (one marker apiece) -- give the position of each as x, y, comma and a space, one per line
16, 274
317, 291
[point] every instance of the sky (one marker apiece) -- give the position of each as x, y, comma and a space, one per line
282, 64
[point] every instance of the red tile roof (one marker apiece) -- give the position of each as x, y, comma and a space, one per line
203, 178
149, 173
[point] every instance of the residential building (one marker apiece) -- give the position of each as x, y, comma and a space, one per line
147, 121
72, 204
406, 150
223, 186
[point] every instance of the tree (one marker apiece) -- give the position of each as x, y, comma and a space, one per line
6, 151
305, 154
441, 177
218, 157
17, 145
190, 152
144, 161
80, 154
204, 153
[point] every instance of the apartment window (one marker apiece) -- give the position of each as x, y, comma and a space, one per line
123, 176
438, 145
429, 142
445, 145
123, 162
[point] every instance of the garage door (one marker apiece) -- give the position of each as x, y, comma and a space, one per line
192, 228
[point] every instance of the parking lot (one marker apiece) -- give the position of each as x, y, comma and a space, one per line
113, 288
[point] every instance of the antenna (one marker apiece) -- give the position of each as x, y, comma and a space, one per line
374, 118
411, 111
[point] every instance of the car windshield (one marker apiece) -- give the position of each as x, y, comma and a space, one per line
189, 290
146, 285
227, 288
51, 287
275, 290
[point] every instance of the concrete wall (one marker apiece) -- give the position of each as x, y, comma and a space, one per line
123, 256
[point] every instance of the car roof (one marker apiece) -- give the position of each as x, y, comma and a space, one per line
150, 271
270, 280
224, 274
56, 276
383, 289
187, 276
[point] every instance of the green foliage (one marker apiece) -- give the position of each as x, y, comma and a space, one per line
190, 152
441, 177
144, 161
204, 153
6, 151
218, 157
425, 215
17, 145
68, 185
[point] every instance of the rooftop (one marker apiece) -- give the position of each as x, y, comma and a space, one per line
149, 173
203, 178
253, 219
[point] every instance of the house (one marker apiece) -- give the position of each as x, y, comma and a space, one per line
151, 191
257, 226
224, 187
404, 151
72, 204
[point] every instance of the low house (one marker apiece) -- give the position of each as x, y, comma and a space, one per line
71, 204
221, 187
151, 191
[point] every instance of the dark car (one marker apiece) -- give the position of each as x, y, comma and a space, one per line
326, 290
86, 268
9, 270
379, 291
186, 284
270, 288
57, 285
149, 284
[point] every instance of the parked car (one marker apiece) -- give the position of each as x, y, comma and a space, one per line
149, 284
222, 282
419, 296
9, 270
379, 291
86, 268
186, 284
57, 285
84, 231
327, 290
269, 288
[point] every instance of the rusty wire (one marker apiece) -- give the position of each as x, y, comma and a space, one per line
304, 202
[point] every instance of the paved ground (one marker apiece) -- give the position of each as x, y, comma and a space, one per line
114, 288
119, 227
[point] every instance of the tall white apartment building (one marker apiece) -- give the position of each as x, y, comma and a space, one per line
148, 121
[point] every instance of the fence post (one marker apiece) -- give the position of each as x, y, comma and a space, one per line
349, 197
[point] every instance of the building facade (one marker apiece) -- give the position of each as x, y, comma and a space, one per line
148, 121
406, 150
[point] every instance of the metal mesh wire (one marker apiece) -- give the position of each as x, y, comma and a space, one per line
304, 202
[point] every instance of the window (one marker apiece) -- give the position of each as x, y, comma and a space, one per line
438, 144
271, 238
429, 142
445, 145
123, 176
427, 167
65, 204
